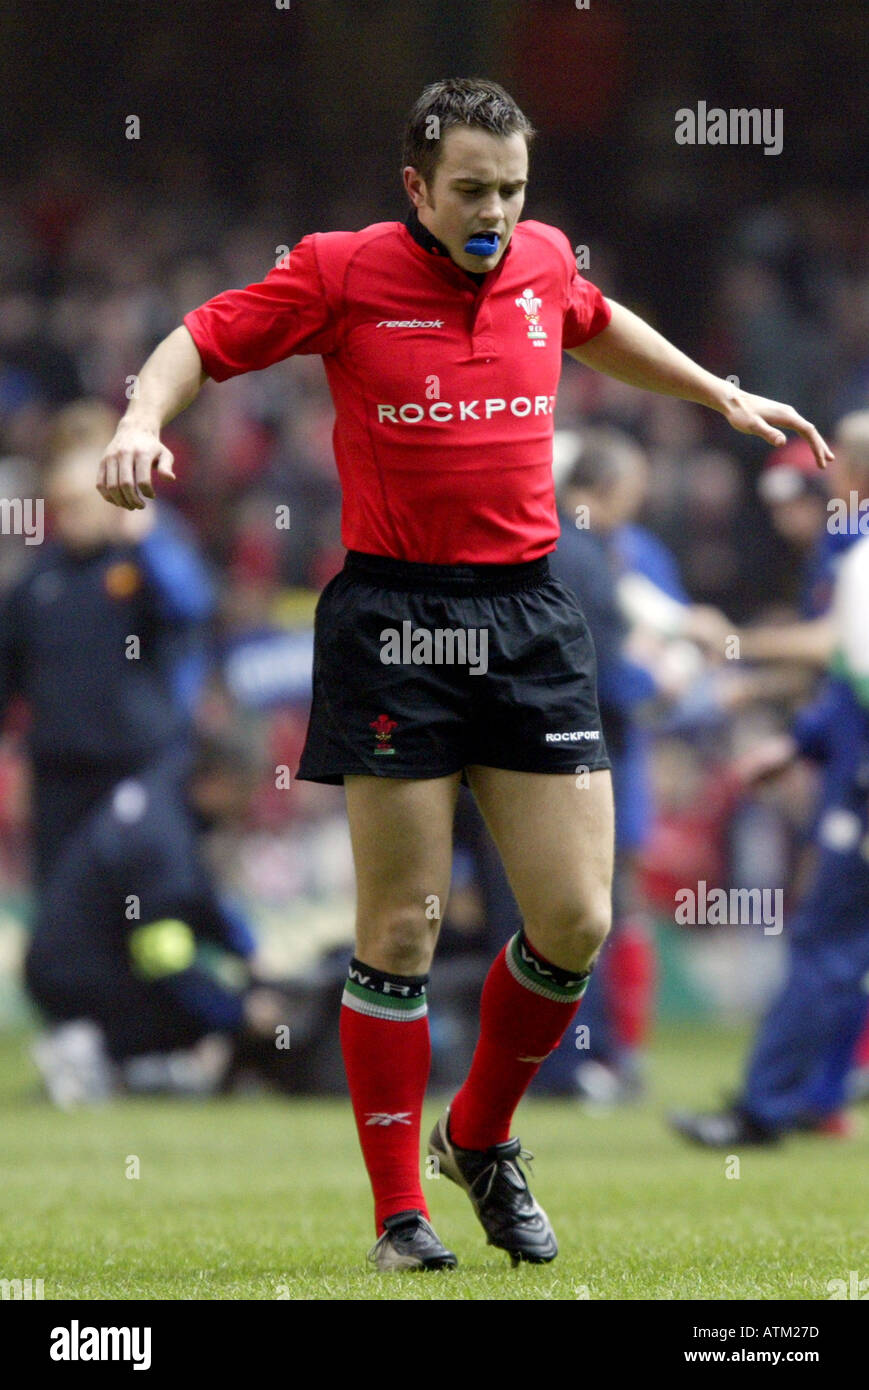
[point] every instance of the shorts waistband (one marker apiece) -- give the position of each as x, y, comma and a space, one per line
410, 577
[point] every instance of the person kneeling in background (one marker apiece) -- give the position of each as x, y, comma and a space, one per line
114, 962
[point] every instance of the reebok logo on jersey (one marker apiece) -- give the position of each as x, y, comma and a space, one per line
574, 736
411, 413
379, 1117
411, 323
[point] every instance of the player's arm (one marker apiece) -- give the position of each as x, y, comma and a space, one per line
246, 330
634, 352
169, 381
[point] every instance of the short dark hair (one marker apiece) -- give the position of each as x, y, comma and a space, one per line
469, 101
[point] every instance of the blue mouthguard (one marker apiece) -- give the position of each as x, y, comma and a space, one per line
483, 244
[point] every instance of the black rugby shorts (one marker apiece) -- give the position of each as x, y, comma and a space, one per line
422, 670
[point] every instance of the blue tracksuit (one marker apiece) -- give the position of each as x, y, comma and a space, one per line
798, 1068
799, 1065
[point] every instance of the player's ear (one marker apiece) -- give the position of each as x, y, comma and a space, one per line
416, 188
413, 184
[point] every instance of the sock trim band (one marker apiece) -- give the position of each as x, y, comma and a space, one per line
408, 986
369, 1001
380, 995
548, 981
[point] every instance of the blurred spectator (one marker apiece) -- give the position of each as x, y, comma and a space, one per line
115, 962
101, 637
797, 1076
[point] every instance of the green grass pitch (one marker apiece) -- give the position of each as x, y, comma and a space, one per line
254, 1198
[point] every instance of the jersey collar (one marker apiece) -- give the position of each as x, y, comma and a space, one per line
427, 242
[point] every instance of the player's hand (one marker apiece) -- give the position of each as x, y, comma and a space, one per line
124, 474
769, 419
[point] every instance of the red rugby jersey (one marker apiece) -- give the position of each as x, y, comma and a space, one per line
444, 390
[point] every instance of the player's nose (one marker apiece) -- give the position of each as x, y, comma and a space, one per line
492, 215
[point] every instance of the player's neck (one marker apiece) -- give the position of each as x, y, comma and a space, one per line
425, 238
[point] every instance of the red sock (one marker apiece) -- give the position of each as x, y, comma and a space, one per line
631, 982
526, 1008
387, 1056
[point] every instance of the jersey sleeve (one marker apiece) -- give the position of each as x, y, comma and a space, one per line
288, 312
587, 312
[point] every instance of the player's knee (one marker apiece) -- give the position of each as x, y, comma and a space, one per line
399, 942
600, 917
574, 933
590, 932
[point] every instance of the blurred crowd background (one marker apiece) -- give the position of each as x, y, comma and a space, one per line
258, 125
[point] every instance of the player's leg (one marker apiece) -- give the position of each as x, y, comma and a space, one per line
555, 835
606, 1065
401, 832
402, 836
394, 732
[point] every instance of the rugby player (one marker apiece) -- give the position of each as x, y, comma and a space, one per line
442, 339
